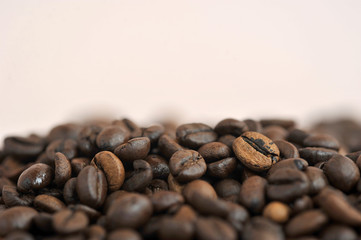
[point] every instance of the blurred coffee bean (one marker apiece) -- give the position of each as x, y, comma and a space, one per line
91, 213
199, 186
111, 137
317, 179
275, 132
227, 140
153, 133
156, 185
24, 146
124, 234
292, 163
64, 131
228, 189
35, 177
12, 198
66, 146
237, 216
174, 185
96, 232
287, 124
111, 198
252, 194
69, 192
214, 151
164, 200
315, 155
277, 212
159, 166
168, 146
136, 148
254, 126
231, 126
338, 232
140, 178
297, 136
11, 168
44, 222
222, 168
16, 218
62, 169
194, 135
19, 235
262, 228
67, 221
322, 141
77, 164
354, 155
173, 228
87, 139
287, 149
46, 203
133, 128
212, 228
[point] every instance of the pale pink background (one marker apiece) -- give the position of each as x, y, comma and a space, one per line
190, 60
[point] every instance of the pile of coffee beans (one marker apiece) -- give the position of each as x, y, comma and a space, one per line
250, 180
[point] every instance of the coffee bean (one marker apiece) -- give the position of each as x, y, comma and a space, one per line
136, 148
237, 216
3, 182
46, 203
252, 194
24, 147
64, 131
19, 235
164, 200
12, 198
16, 218
11, 168
87, 139
222, 168
131, 210
96, 232
153, 133
322, 141
68, 147
91, 213
159, 166
338, 231
174, 185
67, 221
254, 126
44, 222
199, 186
69, 192
227, 140
168, 146
256, 151
111, 137
112, 167
287, 184
306, 223
277, 212
231, 126
35, 177
287, 124
156, 185
124, 234
293, 163
77, 164
175, 229
262, 228
354, 155
214, 229
91, 187
315, 155
187, 165
228, 189
317, 179
287, 149
214, 151
301, 204
194, 135
275, 132
62, 169
132, 127
342, 172
140, 178
208, 206
297, 136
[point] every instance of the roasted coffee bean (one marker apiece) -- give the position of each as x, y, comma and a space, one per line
164, 200
214, 151
293, 163
67, 221
262, 228
44, 222
16, 218
124, 234
136, 148
256, 151
287, 124
69, 192
159, 166
140, 178
354, 155
112, 167
35, 177
237, 216
96, 232
277, 212
168, 146
315, 155
199, 186
342, 172
222, 168
187, 165
228, 189
317, 179
175, 229
287, 184
91, 187
297, 136
77, 164
24, 147
12, 198
208, 206
153, 133
306, 223
338, 231
46, 203
3, 182
87, 139
111, 137
111, 198
156, 185
227, 140
11, 168
301, 204
287, 149
67, 146
174, 185
64, 131
322, 141
214, 229
133, 128
275, 132
194, 135
131, 210
91, 213
19, 235
254, 126
252, 194
62, 169
231, 126
54, 192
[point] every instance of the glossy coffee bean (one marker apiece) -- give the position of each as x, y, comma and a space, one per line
130, 211
321, 140
67, 146
164, 200
287, 184
62, 169
168, 146
342, 172
317, 179
91, 187
252, 194
194, 135
11, 197
228, 189
110, 137
315, 155
214, 151
227, 140
124, 234
293, 163
187, 165
35, 177
140, 178
87, 139
16, 218
136, 148
262, 228
24, 146
67, 221
112, 167
222, 168
159, 166
287, 149
275, 132
69, 192
256, 151
231, 126
214, 229
277, 212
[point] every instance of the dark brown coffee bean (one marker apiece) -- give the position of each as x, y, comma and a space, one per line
228, 189
16, 218
67, 221
19, 235
164, 200
44, 222
91, 213
156, 185
112, 167
297, 136
131, 210
287, 149
342, 172
208, 206
54, 192
187, 165
315, 155
214, 151
317, 179
322, 141
254, 126
275, 132
124, 234
354, 155
11, 168
87, 139
337, 232
231, 126
159, 166
252, 194
136, 148
12, 198
35, 177
66, 146
174, 185
69, 192
237, 216
91, 187
256, 151
77, 164
277, 212
111, 137
172, 228
133, 128
3, 182
64, 131
153, 133
262, 228
111, 198
194, 135
214, 229
200, 186
335, 205
287, 124
222, 168
301, 204
168, 146
96, 232
140, 178
287, 184
46, 203
24, 147
294, 163
62, 169
227, 140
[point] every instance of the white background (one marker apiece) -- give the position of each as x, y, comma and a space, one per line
187, 60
